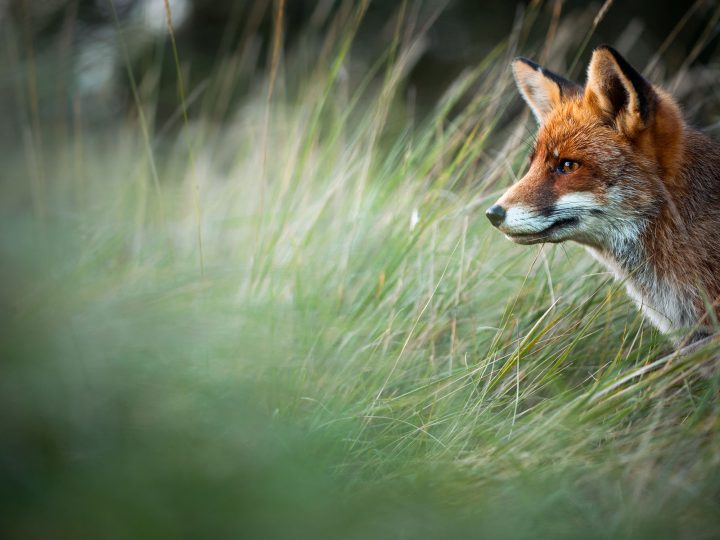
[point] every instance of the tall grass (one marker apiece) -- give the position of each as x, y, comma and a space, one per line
358, 356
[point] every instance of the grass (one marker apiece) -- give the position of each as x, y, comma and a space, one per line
357, 356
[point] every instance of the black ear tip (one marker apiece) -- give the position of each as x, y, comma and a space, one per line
613, 52
527, 62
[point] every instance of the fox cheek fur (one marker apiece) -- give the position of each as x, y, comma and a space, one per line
616, 169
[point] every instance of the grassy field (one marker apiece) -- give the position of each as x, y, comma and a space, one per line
300, 325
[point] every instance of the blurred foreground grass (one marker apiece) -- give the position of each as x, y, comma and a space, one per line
300, 326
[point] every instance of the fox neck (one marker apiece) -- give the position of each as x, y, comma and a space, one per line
653, 254
666, 302
624, 253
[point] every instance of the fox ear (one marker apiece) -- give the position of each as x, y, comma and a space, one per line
542, 89
619, 91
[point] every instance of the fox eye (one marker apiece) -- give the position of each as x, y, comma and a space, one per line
566, 166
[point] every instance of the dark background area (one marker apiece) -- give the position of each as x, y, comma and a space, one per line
68, 51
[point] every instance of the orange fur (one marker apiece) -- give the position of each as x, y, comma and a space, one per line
643, 192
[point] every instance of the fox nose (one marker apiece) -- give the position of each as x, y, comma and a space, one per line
496, 214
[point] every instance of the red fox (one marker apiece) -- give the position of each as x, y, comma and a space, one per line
616, 168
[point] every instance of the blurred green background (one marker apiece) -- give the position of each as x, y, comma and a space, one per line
248, 289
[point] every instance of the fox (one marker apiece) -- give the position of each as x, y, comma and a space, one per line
616, 168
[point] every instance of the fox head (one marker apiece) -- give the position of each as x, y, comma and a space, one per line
604, 155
